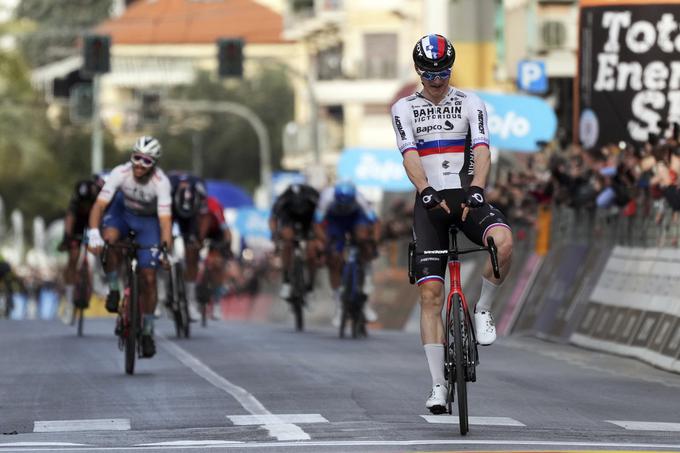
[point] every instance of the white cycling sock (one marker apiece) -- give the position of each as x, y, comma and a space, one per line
191, 291
435, 360
487, 295
68, 292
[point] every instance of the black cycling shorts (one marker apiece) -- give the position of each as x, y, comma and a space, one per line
302, 224
431, 231
188, 228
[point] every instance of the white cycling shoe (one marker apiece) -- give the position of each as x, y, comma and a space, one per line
285, 291
194, 312
436, 403
485, 328
369, 313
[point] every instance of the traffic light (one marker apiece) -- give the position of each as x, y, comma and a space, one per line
230, 57
81, 105
96, 54
151, 107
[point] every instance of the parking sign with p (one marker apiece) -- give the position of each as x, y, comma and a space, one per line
531, 76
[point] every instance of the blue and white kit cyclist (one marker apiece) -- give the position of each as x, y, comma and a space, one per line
342, 211
139, 194
443, 135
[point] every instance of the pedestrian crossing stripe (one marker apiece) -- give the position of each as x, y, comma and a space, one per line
645, 426
479, 421
59, 426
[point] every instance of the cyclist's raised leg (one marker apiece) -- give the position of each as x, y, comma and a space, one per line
363, 235
73, 248
482, 223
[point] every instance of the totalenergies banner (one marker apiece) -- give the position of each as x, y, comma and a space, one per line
629, 69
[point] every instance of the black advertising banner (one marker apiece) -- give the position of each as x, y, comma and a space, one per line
629, 70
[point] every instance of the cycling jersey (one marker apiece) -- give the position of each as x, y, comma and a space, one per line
179, 178
217, 222
444, 135
300, 203
144, 199
329, 209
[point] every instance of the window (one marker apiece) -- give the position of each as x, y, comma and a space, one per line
380, 56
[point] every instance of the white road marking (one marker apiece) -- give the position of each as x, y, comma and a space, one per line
296, 446
251, 404
41, 444
56, 426
191, 443
276, 419
279, 425
646, 426
481, 421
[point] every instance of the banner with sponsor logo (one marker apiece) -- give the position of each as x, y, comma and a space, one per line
628, 70
382, 168
519, 122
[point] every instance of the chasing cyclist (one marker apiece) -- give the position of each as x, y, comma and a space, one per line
342, 211
294, 209
443, 135
145, 207
188, 206
75, 225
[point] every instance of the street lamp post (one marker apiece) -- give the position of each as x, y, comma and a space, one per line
248, 115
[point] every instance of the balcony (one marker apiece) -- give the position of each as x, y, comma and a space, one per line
307, 17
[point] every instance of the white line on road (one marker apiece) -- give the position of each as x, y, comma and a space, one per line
251, 404
481, 421
41, 444
274, 419
56, 426
297, 446
191, 443
646, 426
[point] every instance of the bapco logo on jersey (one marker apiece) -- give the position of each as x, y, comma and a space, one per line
434, 127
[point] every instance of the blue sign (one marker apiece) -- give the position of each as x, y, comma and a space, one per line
517, 122
252, 222
382, 168
532, 77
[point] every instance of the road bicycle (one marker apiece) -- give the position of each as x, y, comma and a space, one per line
82, 289
460, 349
298, 279
176, 300
352, 296
129, 322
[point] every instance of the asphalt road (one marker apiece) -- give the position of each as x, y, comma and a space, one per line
257, 387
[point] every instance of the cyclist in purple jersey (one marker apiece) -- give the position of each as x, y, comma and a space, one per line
443, 135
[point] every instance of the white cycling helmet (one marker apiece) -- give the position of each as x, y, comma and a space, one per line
149, 146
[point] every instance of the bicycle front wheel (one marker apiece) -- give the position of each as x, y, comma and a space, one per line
298, 299
183, 303
132, 328
80, 313
459, 327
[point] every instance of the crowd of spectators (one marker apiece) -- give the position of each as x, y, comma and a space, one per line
617, 181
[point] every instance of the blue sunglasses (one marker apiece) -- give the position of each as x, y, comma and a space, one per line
427, 75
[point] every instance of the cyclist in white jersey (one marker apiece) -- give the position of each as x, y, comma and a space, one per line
139, 194
443, 135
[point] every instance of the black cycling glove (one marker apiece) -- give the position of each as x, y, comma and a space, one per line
430, 198
475, 197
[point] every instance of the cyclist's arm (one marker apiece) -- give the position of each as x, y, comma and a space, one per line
166, 230
69, 224
479, 134
414, 170
164, 208
97, 212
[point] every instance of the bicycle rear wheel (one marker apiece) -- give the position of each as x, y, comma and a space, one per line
81, 316
132, 328
460, 361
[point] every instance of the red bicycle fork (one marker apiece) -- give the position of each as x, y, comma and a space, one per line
456, 285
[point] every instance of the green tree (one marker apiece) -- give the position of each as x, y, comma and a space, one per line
39, 162
58, 25
230, 147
